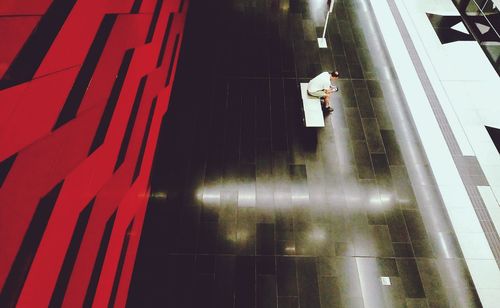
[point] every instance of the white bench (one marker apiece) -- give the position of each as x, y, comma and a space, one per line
313, 115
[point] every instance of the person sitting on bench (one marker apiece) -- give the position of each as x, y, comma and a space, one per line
321, 86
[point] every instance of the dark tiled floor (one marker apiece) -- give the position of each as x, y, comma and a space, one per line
261, 212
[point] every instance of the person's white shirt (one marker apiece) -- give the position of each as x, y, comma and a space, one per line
320, 82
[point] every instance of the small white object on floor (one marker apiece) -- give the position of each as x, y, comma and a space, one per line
386, 281
322, 42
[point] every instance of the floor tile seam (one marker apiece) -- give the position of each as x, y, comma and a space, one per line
324, 256
343, 49
358, 57
430, 93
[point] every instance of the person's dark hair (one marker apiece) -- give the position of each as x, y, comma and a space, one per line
335, 74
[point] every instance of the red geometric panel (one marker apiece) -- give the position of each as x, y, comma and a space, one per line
32, 116
14, 32
26, 7
84, 86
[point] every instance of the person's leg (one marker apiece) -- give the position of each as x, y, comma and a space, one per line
327, 104
324, 98
318, 94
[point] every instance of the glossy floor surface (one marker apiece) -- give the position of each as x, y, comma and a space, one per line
250, 209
